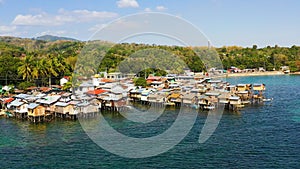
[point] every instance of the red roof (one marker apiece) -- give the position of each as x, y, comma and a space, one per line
96, 92
8, 100
67, 77
153, 78
32, 88
45, 89
107, 80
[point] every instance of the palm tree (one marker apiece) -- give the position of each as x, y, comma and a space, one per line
54, 66
40, 69
67, 85
27, 68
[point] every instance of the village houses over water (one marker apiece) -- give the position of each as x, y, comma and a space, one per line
113, 92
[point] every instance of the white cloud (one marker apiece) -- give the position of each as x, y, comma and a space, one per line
38, 20
97, 27
7, 29
119, 25
86, 15
63, 17
11, 30
147, 10
161, 8
127, 3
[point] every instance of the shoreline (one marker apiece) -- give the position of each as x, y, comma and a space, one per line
269, 73
295, 73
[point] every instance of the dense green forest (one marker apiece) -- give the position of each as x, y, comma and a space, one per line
26, 62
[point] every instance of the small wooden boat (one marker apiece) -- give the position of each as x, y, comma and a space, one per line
246, 102
8, 114
286, 72
267, 100
210, 107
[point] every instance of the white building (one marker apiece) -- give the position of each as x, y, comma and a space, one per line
64, 80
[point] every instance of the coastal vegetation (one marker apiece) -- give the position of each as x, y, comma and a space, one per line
25, 62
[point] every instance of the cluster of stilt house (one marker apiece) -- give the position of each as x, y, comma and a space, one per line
201, 93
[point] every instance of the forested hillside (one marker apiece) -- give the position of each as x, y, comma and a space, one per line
38, 61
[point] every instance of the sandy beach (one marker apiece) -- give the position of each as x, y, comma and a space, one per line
268, 73
295, 73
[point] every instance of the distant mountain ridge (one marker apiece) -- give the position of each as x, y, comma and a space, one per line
54, 38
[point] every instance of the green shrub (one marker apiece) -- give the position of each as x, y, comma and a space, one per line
25, 85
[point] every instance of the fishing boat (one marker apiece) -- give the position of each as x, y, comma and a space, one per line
8, 114
246, 102
267, 99
286, 72
210, 107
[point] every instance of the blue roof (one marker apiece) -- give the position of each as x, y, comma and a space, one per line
140, 90
49, 99
16, 103
61, 104
83, 104
32, 105
22, 96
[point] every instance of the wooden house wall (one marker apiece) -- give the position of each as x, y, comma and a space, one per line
38, 111
64, 110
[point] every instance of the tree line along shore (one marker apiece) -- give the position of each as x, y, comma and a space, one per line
29, 62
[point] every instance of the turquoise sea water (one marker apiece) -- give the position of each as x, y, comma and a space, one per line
261, 136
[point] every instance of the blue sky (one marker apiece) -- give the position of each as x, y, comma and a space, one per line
224, 22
